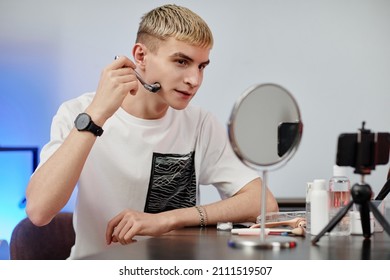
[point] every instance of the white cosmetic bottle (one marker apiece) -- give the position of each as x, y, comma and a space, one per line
319, 198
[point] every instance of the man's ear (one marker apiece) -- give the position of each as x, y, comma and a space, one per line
139, 54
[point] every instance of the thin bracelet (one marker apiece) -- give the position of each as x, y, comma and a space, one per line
202, 215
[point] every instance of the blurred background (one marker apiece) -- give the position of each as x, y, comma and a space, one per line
333, 56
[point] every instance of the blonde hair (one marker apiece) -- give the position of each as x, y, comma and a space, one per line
173, 21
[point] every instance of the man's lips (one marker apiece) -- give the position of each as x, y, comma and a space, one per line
186, 93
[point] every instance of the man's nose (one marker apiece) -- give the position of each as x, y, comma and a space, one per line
194, 77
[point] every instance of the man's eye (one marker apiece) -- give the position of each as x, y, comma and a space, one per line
182, 62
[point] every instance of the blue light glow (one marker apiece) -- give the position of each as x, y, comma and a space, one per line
28, 101
15, 171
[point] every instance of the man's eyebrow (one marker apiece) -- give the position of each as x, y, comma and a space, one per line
206, 63
186, 57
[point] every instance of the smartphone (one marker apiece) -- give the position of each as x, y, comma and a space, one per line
287, 134
371, 150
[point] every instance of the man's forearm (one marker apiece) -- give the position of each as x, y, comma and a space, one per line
53, 183
245, 206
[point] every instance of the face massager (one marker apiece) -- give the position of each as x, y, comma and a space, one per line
150, 87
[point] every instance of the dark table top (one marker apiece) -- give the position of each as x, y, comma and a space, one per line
211, 244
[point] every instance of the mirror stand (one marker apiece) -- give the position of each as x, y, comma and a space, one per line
263, 204
263, 241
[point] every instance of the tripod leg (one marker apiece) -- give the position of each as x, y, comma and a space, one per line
380, 218
366, 249
336, 219
365, 219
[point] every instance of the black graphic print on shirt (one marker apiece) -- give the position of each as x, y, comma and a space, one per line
172, 183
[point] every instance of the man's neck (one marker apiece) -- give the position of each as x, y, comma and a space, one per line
144, 105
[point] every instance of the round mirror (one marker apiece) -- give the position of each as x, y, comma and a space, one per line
265, 129
265, 126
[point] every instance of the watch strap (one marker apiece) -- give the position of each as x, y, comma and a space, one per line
95, 129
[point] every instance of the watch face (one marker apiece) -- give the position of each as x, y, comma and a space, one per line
82, 121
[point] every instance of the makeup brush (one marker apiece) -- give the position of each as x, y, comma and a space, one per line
295, 231
293, 223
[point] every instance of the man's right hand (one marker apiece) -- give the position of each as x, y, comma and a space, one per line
117, 80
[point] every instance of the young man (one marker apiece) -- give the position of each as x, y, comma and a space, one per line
141, 176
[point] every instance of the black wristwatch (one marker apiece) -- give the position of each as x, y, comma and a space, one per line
84, 122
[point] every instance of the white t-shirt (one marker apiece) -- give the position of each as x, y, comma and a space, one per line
145, 165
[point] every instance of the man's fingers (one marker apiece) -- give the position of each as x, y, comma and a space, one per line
112, 224
122, 62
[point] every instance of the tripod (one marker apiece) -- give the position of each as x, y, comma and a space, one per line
361, 195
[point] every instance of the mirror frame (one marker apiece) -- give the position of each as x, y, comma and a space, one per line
233, 140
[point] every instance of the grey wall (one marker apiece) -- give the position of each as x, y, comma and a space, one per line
333, 56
